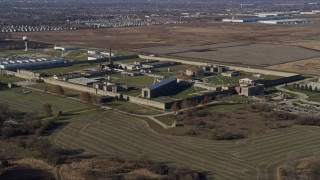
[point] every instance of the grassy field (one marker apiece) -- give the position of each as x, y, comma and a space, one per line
313, 96
9, 79
34, 101
189, 92
235, 80
174, 70
52, 89
136, 81
130, 60
108, 135
77, 67
132, 108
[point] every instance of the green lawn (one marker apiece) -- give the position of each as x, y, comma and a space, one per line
52, 89
189, 92
235, 80
9, 53
313, 96
166, 120
174, 70
225, 108
9, 79
132, 108
130, 60
236, 97
136, 81
34, 101
77, 67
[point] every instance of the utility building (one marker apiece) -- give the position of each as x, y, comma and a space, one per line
161, 88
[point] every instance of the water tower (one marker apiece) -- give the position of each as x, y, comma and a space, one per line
25, 39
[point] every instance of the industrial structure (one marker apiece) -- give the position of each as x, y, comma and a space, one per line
195, 71
26, 63
65, 48
161, 88
271, 18
286, 21
25, 39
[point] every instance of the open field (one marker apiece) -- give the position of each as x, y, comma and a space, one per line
219, 79
108, 135
190, 92
238, 53
136, 81
34, 101
76, 67
309, 66
191, 34
133, 108
9, 79
258, 36
52, 89
313, 96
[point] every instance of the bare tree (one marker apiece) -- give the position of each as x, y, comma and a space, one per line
185, 104
85, 96
45, 89
175, 107
47, 109
4, 108
59, 91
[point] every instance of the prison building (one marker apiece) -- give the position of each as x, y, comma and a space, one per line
161, 88
250, 90
250, 81
195, 71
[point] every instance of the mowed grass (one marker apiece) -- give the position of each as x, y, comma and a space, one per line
174, 70
53, 89
219, 79
189, 92
34, 101
136, 81
313, 96
133, 108
9, 79
108, 134
76, 67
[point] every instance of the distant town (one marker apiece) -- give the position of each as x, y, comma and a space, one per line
148, 89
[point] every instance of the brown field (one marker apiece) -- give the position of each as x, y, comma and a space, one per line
191, 34
310, 66
238, 53
198, 34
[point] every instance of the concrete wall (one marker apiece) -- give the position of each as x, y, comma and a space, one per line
91, 90
23, 76
194, 63
282, 80
148, 102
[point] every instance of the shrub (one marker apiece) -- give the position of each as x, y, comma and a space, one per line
159, 169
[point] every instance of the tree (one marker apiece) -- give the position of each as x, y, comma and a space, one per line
306, 87
185, 104
175, 107
85, 96
295, 85
97, 100
301, 87
59, 90
45, 89
4, 107
316, 89
310, 88
205, 101
47, 109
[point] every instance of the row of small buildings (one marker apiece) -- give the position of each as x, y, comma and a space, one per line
27, 63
